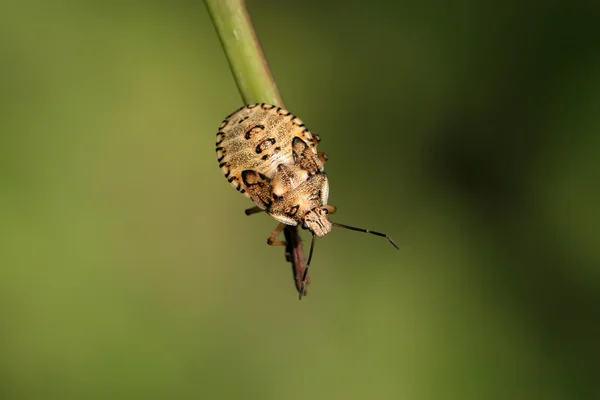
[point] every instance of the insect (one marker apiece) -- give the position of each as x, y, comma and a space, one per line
267, 154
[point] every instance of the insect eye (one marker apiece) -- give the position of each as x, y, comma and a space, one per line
305, 226
326, 211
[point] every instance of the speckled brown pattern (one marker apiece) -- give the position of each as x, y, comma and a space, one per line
259, 137
267, 153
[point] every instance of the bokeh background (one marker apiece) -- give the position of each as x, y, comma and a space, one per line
467, 131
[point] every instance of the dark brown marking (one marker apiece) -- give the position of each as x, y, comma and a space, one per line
277, 149
265, 157
220, 137
304, 156
315, 196
222, 164
231, 179
258, 187
292, 211
243, 119
252, 178
254, 131
264, 145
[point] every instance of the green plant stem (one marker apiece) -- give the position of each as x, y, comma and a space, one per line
256, 85
244, 53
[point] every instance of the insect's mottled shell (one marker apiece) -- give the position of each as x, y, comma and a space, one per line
258, 137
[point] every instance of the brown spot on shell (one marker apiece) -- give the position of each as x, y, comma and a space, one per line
297, 121
304, 157
225, 169
264, 145
220, 154
292, 211
254, 131
258, 187
315, 195
252, 178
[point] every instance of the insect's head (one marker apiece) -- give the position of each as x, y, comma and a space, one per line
317, 221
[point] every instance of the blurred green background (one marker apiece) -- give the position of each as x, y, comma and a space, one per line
468, 132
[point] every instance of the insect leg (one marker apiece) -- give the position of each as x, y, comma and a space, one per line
323, 157
316, 139
272, 239
253, 210
302, 290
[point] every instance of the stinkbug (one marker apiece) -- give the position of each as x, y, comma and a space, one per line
269, 156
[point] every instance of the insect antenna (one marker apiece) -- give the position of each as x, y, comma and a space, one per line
310, 253
367, 231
